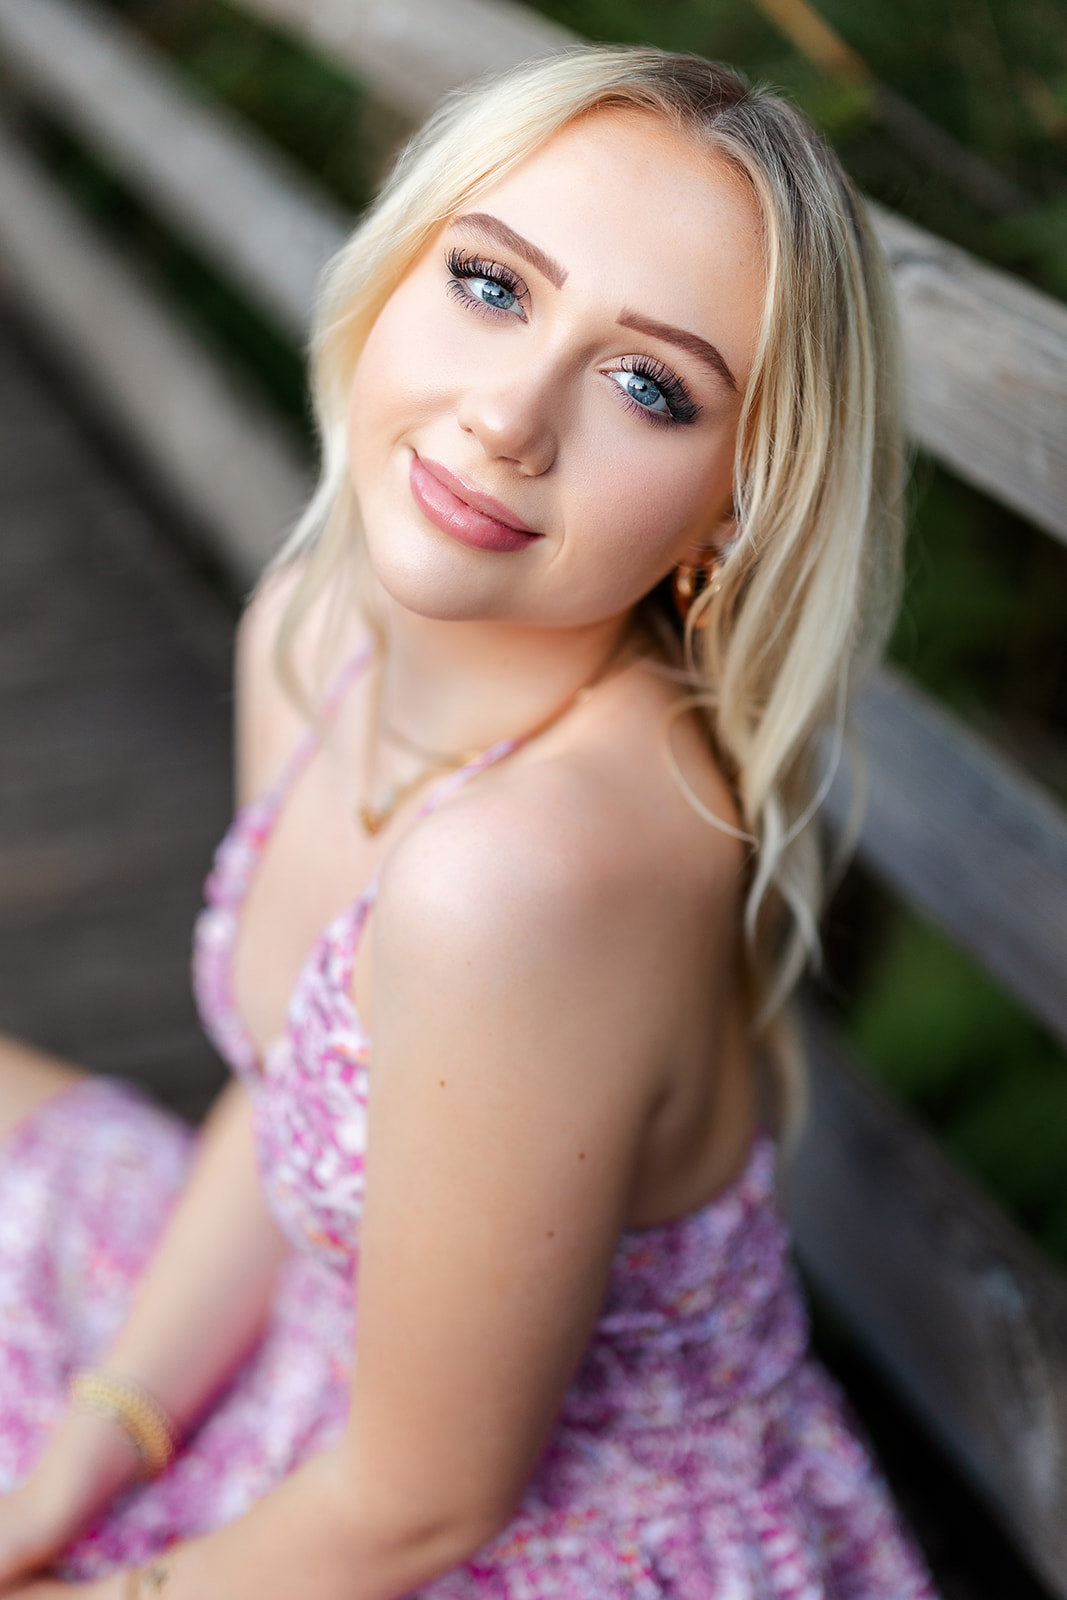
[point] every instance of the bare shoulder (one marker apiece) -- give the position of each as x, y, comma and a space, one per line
521, 848
581, 870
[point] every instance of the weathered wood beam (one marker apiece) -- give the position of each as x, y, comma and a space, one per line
967, 839
222, 455
986, 359
958, 1306
224, 189
414, 53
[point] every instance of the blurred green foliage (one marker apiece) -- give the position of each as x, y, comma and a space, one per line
983, 620
970, 1060
329, 124
991, 73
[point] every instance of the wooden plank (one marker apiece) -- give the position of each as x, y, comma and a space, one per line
76, 826
222, 454
94, 979
414, 53
963, 1313
222, 187
114, 783
967, 839
88, 860
987, 371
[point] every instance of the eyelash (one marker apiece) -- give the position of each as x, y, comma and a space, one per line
683, 409
461, 265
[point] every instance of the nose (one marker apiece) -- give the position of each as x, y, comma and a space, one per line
516, 414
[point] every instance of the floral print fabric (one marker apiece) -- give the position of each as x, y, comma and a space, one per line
700, 1454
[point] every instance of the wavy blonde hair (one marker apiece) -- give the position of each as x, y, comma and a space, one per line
809, 587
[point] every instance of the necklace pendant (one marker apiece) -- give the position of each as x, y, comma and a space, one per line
371, 821
374, 817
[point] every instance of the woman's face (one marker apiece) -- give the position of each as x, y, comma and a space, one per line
544, 416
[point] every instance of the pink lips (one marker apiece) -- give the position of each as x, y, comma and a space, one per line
467, 514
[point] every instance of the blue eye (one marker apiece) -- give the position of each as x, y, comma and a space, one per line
485, 286
643, 391
652, 390
493, 293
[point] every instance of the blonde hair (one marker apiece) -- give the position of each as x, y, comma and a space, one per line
809, 586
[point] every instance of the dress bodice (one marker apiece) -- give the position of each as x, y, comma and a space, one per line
698, 1311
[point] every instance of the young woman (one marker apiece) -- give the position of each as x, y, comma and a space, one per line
607, 531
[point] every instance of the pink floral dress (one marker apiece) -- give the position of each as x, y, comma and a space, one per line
700, 1454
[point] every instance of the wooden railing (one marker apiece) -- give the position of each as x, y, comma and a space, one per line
963, 1313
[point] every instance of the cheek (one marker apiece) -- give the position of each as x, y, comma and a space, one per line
652, 500
403, 374
385, 384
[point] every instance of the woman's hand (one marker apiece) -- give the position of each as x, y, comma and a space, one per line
29, 1538
87, 1461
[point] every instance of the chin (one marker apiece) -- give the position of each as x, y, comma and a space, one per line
440, 584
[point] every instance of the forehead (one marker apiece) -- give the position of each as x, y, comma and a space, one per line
642, 216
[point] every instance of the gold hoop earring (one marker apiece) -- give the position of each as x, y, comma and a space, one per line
690, 582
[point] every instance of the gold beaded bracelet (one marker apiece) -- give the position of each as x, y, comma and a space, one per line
150, 1430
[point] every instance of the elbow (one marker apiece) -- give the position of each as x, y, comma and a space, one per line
432, 1540
407, 1537
449, 1540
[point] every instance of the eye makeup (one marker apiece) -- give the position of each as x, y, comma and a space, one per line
464, 266
681, 407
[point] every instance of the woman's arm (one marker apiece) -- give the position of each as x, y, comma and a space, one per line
510, 1089
204, 1296
199, 1307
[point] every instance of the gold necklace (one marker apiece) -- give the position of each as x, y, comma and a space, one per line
373, 816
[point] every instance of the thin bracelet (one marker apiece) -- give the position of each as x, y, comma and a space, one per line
142, 1418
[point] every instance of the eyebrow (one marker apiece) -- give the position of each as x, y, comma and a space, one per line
691, 342
493, 228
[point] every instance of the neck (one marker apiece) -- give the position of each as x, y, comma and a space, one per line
456, 686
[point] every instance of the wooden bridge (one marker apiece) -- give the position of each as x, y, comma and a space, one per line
114, 728
118, 429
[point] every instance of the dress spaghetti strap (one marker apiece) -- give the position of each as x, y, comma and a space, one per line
309, 741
